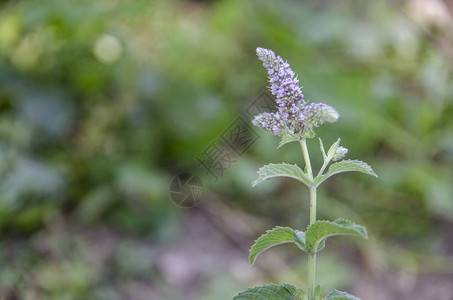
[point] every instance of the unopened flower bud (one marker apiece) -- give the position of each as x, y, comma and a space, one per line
340, 153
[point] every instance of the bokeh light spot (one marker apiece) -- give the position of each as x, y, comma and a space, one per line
108, 49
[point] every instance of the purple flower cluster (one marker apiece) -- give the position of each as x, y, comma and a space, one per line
294, 115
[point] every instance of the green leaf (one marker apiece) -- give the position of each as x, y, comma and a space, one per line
345, 166
319, 231
296, 291
321, 146
299, 239
288, 137
318, 292
272, 292
276, 236
337, 295
333, 150
281, 170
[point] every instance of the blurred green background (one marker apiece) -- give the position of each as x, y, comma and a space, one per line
103, 102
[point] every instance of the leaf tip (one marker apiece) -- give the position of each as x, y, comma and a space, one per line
251, 260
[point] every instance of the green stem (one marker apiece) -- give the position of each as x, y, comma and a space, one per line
312, 257
324, 165
312, 205
303, 144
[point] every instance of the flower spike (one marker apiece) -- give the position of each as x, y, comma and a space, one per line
294, 115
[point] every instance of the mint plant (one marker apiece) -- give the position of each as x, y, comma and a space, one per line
295, 121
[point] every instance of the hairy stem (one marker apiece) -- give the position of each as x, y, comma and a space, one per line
312, 257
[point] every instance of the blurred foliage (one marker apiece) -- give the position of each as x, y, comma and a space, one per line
102, 102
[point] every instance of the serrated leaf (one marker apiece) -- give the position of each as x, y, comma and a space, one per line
319, 231
337, 295
288, 137
276, 236
281, 170
345, 166
272, 292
